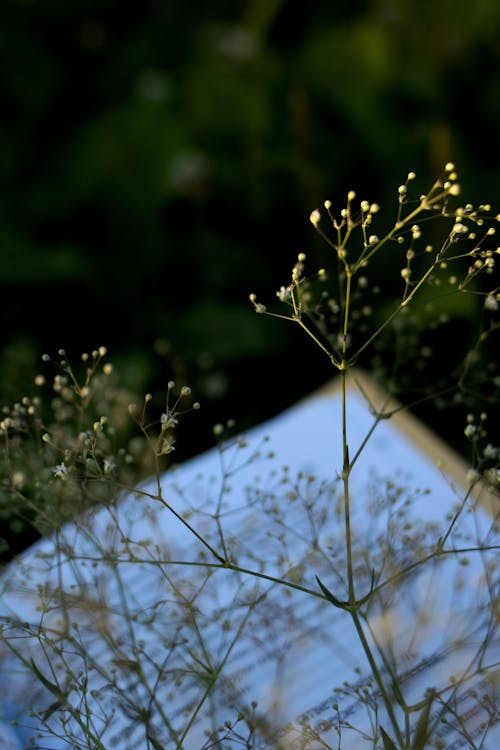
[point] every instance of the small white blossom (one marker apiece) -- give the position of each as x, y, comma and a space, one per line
18, 479
472, 475
490, 451
257, 305
109, 466
490, 303
60, 472
167, 421
283, 293
166, 444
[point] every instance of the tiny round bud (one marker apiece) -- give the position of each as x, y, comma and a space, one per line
315, 217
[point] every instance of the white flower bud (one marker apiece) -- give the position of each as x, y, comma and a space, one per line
315, 217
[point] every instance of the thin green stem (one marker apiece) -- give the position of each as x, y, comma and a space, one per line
346, 470
378, 678
185, 523
317, 341
400, 224
375, 334
418, 285
347, 308
215, 676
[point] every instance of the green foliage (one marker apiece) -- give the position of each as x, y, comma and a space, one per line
179, 144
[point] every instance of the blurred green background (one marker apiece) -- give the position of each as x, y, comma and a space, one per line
159, 161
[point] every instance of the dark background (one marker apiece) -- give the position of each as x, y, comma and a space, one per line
159, 161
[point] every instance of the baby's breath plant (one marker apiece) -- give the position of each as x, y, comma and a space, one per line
70, 446
337, 308
141, 593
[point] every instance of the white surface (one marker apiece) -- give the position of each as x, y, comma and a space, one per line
293, 649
